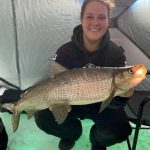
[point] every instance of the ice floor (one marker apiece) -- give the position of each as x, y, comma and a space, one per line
30, 137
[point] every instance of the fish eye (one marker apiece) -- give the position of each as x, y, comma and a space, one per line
131, 71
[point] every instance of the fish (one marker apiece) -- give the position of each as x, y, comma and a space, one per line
79, 86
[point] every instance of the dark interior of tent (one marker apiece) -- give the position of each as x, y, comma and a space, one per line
32, 31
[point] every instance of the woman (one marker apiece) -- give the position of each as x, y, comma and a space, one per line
90, 43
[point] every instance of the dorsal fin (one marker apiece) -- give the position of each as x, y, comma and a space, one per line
56, 68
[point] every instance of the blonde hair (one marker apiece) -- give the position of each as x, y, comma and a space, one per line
108, 3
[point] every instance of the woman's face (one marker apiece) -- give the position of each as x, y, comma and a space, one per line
95, 21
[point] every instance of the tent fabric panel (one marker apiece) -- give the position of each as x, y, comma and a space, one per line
135, 23
8, 69
42, 27
120, 6
133, 54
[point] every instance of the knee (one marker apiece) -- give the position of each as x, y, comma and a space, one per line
68, 129
44, 120
115, 132
109, 136
72, 129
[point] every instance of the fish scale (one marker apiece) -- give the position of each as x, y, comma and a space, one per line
82, 85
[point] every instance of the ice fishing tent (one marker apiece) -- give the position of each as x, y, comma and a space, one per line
32, 30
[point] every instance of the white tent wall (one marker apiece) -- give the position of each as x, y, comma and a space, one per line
135, 23
32, 30
133, 54
8, 69
41, 27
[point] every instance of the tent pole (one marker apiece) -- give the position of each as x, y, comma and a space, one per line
16, 40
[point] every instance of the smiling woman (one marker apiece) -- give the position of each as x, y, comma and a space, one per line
42, 27
90, 44
95, 21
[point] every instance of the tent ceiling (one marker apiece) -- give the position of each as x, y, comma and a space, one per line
120, 6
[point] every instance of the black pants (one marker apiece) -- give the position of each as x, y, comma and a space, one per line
3, 136
110, 126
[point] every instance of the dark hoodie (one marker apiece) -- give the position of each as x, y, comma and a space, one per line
74, 55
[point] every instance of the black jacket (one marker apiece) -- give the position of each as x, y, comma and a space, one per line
74, 55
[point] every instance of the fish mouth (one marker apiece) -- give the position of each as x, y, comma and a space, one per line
138, 79
139, 71
139, 74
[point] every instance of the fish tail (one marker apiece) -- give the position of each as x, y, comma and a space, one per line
15, 115
8, 106
15, 121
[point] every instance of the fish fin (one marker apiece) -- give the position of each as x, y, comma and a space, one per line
104, 104
107, 101
15, 121
1, 108
8, 106
30, 113
56, 68
112, 94
60, 112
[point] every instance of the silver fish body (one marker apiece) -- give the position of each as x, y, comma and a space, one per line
76, 87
